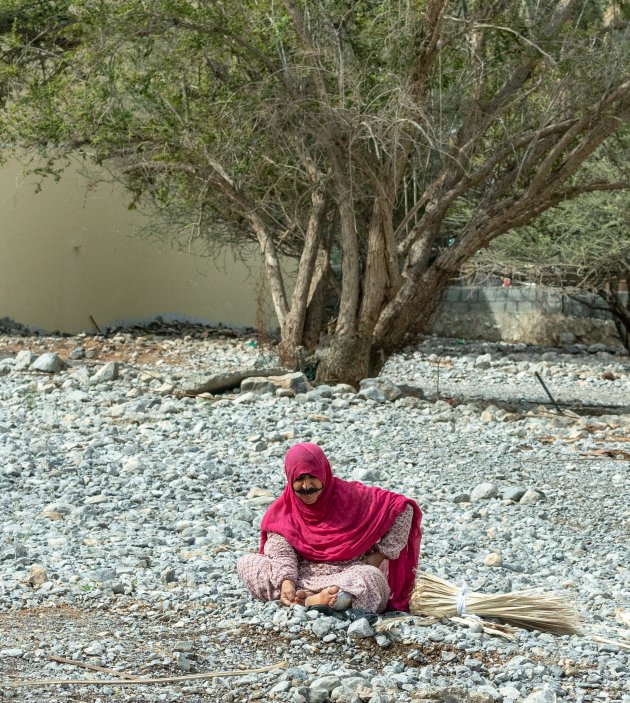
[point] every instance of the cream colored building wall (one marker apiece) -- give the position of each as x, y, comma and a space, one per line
70, 251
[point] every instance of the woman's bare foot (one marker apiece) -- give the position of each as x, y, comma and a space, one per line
327, 596
302, 594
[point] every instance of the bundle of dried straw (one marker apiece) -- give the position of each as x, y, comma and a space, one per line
528, 609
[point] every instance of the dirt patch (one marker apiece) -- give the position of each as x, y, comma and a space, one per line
129, 349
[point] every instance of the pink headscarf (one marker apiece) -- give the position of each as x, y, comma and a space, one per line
346, 521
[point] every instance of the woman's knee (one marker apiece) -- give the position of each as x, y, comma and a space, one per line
372, 574
254, 570
249, 568
369, 588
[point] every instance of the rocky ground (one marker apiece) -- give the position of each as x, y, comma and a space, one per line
125, 505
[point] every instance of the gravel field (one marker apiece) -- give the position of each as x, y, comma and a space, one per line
125, 506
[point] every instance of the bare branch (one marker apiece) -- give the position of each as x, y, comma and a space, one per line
481, 25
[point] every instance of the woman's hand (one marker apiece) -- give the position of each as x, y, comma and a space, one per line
287, 592
374, 558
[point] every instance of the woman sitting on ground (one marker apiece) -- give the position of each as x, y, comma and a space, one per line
331, 542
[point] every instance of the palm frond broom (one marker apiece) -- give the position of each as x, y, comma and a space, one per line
529, 609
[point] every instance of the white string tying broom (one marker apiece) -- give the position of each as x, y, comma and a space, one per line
527, 609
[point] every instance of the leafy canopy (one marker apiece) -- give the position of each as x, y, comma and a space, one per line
164, 88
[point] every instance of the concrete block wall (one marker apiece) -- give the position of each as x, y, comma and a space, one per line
530, 314
519, 300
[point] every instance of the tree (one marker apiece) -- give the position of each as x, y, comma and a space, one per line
379, 143
582, 246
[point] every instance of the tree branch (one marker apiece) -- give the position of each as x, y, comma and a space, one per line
620, 96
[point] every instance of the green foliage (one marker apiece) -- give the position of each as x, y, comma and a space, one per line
583, 243
163, 86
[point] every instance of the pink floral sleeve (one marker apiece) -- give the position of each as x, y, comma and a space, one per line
284, 561
392, 543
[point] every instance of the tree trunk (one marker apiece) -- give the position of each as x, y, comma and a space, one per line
297, 345
349, 359
620, 312
293, 325
412, 311
376, 280
316, 319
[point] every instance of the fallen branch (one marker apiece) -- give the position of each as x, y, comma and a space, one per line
486, 627
91, 667
140, 682
387, 624
228, 381
610, 453
607, 640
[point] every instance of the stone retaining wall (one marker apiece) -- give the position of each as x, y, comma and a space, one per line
529, 314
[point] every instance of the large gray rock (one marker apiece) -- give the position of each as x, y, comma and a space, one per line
296, 382
24, 359
327, 683
483, 491
12, 652
12, 470
50, 362
107, 372
342, 388
340, 404
280, 687
102, 575
387, 387
352, 683
360, 629
79, 375
182, 661
461, 498
531, 497
317, 394
514, 493
94, 649
383, 641
373, 393
257, 385
322, 626
78, 396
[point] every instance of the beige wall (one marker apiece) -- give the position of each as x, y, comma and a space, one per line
69, 252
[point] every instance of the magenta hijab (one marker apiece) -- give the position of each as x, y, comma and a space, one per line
346, 521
